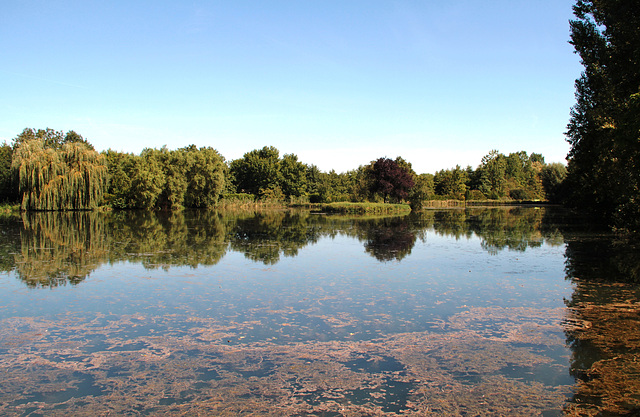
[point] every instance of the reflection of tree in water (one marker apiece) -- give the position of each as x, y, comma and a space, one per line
9, 241
451, 223
65, 247
389, 238
57, 248
516, 229
264, 236
513, 228
189, 238
603, 325
60, 247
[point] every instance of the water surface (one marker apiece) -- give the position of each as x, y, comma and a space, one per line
518, 311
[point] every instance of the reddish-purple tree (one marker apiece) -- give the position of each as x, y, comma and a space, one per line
390, 180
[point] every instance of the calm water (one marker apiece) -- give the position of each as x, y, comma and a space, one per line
518, 311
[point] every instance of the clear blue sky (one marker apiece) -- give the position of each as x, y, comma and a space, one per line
338, 83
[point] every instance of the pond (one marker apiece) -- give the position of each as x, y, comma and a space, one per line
500, 311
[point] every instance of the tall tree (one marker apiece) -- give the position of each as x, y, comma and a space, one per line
493, 174
603, 172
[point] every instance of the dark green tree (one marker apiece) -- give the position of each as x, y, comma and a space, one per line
8, 192
603, 170
422, 190
147, 180
293, 174
451, 183
493, 174
174, 167
553, 176
205, 175
258, 172
120, 167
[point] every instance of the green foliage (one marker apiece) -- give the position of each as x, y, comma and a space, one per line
205, 176
71, 177
553, 176
258, 171
493, 174
160, 178
475, 195
51, 138
603, 172
120, 166
423, 189
516, 176
293, 176
147, 180
7, 189
451, 183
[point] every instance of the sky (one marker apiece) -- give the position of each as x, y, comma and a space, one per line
338, 83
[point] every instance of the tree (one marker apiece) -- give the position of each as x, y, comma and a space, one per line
493, 174
553, 176
205, 175
120, 167
293, 176
390, 180
451, 183
258, 171
72, 177
603, 131
422, 190
51, 138
7, 189
147, 180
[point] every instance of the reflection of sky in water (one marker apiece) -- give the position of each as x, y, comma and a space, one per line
331, 290
453, 322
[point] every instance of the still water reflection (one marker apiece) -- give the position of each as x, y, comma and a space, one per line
517, 311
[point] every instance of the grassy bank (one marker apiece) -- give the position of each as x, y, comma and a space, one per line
365, 208
481, 203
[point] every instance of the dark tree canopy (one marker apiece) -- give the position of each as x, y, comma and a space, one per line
603, 172
390, 180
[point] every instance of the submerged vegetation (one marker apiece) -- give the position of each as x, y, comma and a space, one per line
423, 337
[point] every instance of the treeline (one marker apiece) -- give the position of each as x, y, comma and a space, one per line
51, 170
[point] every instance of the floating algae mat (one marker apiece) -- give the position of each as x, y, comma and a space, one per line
515, 311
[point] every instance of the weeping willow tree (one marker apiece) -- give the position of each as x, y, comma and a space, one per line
59, 248
72, 177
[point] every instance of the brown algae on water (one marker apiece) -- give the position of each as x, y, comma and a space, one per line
102, 366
